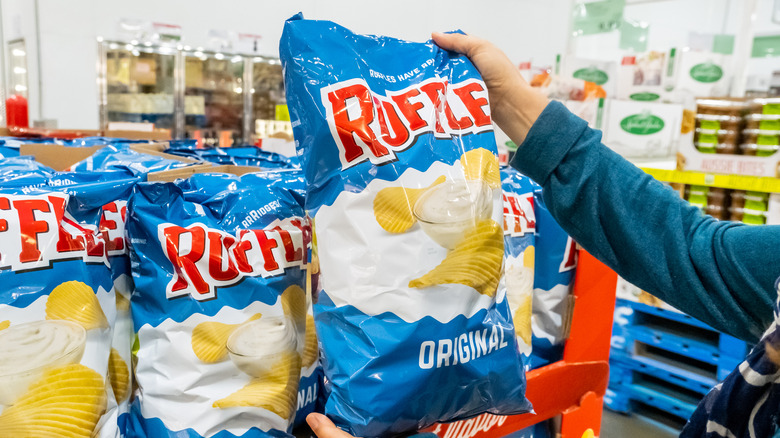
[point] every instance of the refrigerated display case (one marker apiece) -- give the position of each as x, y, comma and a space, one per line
194, 93
269, 106
139, 84
214, 98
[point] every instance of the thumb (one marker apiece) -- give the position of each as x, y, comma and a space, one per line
324, 428
455, 42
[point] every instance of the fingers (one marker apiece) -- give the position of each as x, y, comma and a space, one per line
456, 42
324, 428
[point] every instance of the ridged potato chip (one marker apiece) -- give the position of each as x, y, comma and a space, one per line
393, 206
310, 347
475, 261
294, 304
119, 375
522, 319
276, 391
66, 403
4, 324
481, 164
122, 303
528, 257
209, 339
76, 302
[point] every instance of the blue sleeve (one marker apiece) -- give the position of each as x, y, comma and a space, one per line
720, 272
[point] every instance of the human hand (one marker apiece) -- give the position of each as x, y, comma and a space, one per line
514, 105
324, 428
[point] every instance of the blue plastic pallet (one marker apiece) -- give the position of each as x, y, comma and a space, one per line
629, 383
698, 340
622, 366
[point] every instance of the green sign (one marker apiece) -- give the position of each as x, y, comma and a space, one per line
644, 97
592, 74
597, 16
642, 124
633, 36
766, 46
706, 72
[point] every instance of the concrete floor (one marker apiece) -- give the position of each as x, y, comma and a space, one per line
614, 425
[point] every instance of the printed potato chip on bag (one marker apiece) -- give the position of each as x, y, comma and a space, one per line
519, 251
219, 306
57, 304
397, 148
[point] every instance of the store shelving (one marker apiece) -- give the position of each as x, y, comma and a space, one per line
726, 181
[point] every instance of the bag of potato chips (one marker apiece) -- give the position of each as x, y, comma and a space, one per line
57, 303
219, 306
554, 268
399, 156
519, 229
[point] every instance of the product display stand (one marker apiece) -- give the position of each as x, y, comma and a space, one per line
573, 387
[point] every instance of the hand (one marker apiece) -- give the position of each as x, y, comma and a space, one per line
514, 105
324, 428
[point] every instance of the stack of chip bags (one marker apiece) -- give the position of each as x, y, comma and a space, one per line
519, 230
57, 301
121, 157
397, 148
554, 268
219, 306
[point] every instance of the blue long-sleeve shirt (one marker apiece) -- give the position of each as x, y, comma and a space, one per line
722, 273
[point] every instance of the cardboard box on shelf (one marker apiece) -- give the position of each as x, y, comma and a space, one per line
640, 77
638, 129
61, 158
697, 73
601, 73
186, 172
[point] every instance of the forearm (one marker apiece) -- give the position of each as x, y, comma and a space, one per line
719, 272
519, 109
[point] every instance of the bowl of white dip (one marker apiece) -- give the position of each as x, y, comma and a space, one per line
28, 350
257, 346
446, 211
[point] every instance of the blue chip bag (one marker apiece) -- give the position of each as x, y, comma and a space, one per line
219, 306
555, 266
121, 157
403, 186
58, 305
519, 251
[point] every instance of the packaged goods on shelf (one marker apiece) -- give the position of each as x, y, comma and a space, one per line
640, 77
734, 205
412, 317
642, 129
601, 73
555, 264
58, 305
221, 340
691, 73
519, 251
563, 88
734, 136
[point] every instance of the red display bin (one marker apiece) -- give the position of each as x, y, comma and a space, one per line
573, 387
